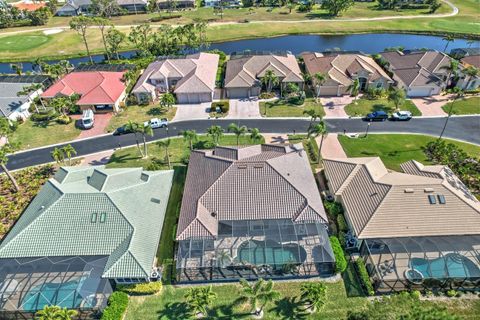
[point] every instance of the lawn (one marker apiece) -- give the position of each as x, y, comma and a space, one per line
464, 106
139, 114
395, 149
21, 43
31, 134
280, 108
365, 106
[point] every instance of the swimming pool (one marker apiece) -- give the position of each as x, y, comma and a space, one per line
270, 253
65, 295
452, 265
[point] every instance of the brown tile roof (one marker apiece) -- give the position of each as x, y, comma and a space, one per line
379, 203
471, 61
248, 183
341, 68
245, 72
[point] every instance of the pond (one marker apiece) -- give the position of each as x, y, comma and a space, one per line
367, 43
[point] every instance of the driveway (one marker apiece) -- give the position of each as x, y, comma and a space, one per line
432, 106
335, 106
192, 111
243, 109
101, 122
331, 147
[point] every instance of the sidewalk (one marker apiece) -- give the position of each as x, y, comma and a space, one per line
97, 159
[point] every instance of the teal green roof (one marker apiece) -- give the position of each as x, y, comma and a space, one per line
95, 211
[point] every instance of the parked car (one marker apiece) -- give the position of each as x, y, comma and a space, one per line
157, 123
121, 130
88, 119
379, 115
402, 116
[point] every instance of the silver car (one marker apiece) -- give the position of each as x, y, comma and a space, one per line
402, 116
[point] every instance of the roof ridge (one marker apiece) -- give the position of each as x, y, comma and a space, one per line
376, 208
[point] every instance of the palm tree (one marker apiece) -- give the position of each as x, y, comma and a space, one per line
58, 155
257, 295
318, 129
313, 294
68, 150
17, 68
167, 100
145, 130
458, 95
448, 39
65, 314
397, 97
472, 73
165, 144
199, 299
5, 150
470, 43
270, 80
319, 79
238, 131
452, 69
134, 128
28, 90
314, 115
47, 313
215, 132
190, 136
255, 134
354, 89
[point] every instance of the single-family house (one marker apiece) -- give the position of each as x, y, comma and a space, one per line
133, 6
244, 73
225, 4
459, 53
420, 73
74, 8
87, 229
28, 5
252, 212
416, 229
473, 61
181, 4
14, 100
101, 91
191, 78
341, 69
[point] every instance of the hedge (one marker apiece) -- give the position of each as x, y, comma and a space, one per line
364, 278
117, 304
142, 288
224, 105
342, 224
334, 208
341, 261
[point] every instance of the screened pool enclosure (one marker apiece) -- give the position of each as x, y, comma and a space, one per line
257, 248
431, 263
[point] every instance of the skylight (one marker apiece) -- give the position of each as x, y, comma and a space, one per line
93, 218
431, 198
441, 199
103, 217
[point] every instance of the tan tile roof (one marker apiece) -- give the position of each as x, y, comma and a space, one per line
249, 183
379, 203
471, 61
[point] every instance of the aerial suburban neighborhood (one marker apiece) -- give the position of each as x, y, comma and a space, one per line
239, 159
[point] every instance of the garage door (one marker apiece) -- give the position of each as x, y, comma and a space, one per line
328, 91
420, 91
237, 93
190, 98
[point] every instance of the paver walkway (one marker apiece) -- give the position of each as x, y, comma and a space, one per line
432, 106
335, 106
331, 147
242, 109
101, 122
192, 111
97, 159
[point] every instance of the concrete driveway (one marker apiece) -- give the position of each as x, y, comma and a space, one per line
432, 106
192, 111
243, 109
335, 106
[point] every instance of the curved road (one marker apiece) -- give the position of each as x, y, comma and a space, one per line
461, 128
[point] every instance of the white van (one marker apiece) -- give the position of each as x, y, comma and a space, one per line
88, 119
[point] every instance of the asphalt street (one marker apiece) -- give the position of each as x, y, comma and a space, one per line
462, 128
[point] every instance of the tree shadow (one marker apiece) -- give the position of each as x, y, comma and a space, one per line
41, 124
289, 308
175, 310
352, 285
121, 159
156, 111
319, 15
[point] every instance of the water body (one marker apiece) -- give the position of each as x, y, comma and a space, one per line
367, 43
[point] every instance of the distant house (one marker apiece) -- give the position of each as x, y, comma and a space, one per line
192, 78
244, 73
226, 4
419, 229
74, 8
133, 6
87, 229
181, 4
341, 69
459, 53
100, 91
13, 104
29, 5
473, 61
252, 212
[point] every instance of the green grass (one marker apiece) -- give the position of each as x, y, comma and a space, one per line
281, 108
32, 134
395, 149
139, 114
365, 106
464, 106
22, 43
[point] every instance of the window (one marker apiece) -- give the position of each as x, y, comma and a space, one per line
441, 199
103, 217
93, 219
379, 85
432, 200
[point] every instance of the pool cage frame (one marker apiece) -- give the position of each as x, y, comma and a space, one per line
389, 259
266, 242
25, 279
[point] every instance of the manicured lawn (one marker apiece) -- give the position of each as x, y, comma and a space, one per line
139, 114
21, 43
32, 134
464, 106
395, 149
365, 106
280, 108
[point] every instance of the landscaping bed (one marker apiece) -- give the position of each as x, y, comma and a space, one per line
365, 106
282, 108
139, 114
464, 106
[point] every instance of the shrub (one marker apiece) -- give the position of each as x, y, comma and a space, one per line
224, 106
161, 18
267, 95
451, 293
364, 278
333, 208
296, 100
342, 224
117, 304
44, 115
142, 288
342, 237
310, 147
341, 261
415, 294
63, 119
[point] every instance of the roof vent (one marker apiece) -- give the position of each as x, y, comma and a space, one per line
409, 190
428, 190
258, 166
144, 177
243, 166
155, 200
213, 214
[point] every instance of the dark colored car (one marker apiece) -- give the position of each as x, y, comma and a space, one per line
121, 130
377, 116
